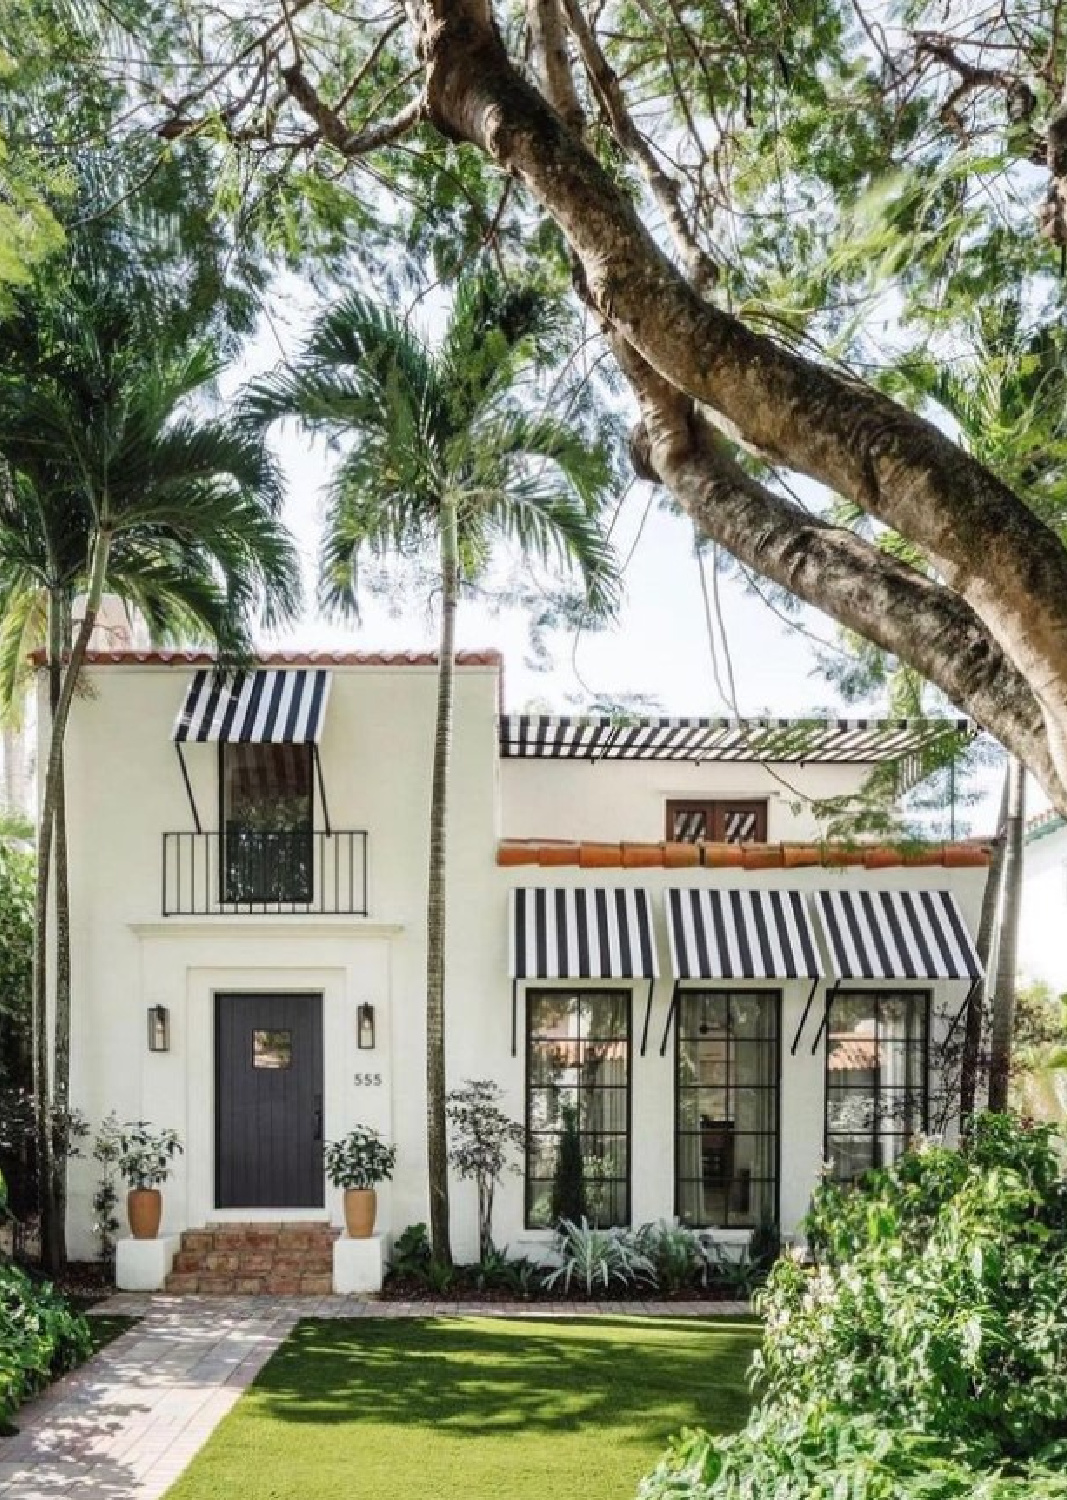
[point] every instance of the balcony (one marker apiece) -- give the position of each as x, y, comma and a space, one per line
256, 873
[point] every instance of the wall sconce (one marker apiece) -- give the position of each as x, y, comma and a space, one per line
365, 1025
158, 1028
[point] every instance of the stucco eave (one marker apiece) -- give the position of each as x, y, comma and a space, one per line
253, 926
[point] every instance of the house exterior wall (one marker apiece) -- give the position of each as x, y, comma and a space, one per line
1043, 915
125, 789
613, 799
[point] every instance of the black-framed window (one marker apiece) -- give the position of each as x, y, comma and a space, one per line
267, 818
578, 1065
691, 821
727, 1069
877, 1067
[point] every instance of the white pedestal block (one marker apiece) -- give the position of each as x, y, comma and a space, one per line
144, 1265
359, 1265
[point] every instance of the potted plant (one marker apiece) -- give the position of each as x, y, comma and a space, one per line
357, 1162
145, 1159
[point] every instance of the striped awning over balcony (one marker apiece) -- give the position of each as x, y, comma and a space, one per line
897, 935
262, 707
589, 933
741, 935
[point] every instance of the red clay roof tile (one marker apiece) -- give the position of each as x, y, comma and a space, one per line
628, 855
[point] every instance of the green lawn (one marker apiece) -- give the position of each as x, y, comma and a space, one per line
472, 1409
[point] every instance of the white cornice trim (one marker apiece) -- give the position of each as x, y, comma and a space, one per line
350, 928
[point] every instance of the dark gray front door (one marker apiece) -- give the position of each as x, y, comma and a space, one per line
268, 1101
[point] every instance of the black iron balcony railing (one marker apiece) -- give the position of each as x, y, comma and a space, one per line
273, 874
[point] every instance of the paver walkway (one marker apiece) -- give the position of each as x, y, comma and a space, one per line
124, 1426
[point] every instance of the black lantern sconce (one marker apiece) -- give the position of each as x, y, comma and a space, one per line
158, 1028
365, 1025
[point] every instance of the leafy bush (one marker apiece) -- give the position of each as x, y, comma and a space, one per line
678, 1256
40, 1337
481, 1140
360, 1159
569, 1201
411, 1252
145, 1155
597, 1259
925, 1353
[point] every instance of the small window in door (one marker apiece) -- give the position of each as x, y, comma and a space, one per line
272, 1049
267, 823
718, 822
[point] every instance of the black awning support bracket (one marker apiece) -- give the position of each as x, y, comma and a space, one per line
188, 787
804, 1018
825, 1022
514, 1018
648, 1017
950, 1033
322, 791
672, 1011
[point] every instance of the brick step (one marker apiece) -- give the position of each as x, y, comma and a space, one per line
307, 1285
285, 1260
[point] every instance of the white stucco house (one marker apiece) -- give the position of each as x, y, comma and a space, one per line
641, 924
1043, 911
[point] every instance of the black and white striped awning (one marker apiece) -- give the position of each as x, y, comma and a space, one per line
263, 707
526, 736
741, 935
587, 933
897, 935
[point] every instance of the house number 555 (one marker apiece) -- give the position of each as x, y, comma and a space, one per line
368, 1080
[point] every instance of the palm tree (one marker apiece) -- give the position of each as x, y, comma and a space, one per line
443, 454
116, 483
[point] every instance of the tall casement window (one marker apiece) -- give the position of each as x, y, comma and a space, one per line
726, 1106
692, 822
578, 1076
266, 817
876, 1078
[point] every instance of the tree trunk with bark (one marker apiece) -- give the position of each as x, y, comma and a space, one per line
49, 1088
978, 1005
436, 1087
1003, 1025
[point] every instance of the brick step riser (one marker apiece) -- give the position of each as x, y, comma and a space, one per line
319, 1285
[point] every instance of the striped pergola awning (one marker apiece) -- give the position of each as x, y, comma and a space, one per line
261, 707
897, 935
534, 736
741, 935
588, 933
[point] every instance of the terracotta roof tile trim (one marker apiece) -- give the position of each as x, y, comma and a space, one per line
487, 658
548, 853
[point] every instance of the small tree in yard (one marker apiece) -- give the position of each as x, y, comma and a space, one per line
570, 1200
481, 1139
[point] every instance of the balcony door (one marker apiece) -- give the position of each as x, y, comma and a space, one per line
267, 844
268, 1101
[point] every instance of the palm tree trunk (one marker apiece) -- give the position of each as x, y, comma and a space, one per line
1004, 990
977, 1008
436, 1127
51, 1100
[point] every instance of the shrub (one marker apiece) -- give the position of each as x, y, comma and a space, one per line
676, 1254
569, 1200
145, 1155
411, 1253
924, 1353
360, 1159
597, 1259
482, 1138
40, 1337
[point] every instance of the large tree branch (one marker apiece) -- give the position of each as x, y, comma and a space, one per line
853, 581
993, 551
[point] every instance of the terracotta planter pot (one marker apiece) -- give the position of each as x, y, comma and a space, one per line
144, 1209
361, 1205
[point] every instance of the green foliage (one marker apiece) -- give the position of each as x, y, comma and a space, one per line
412, 1252
596, 1260
360, 1159
143, 1155
923, 1354
40, 1337
569, 1201
107, 1152
482, 1139
16, 965
677, 1255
